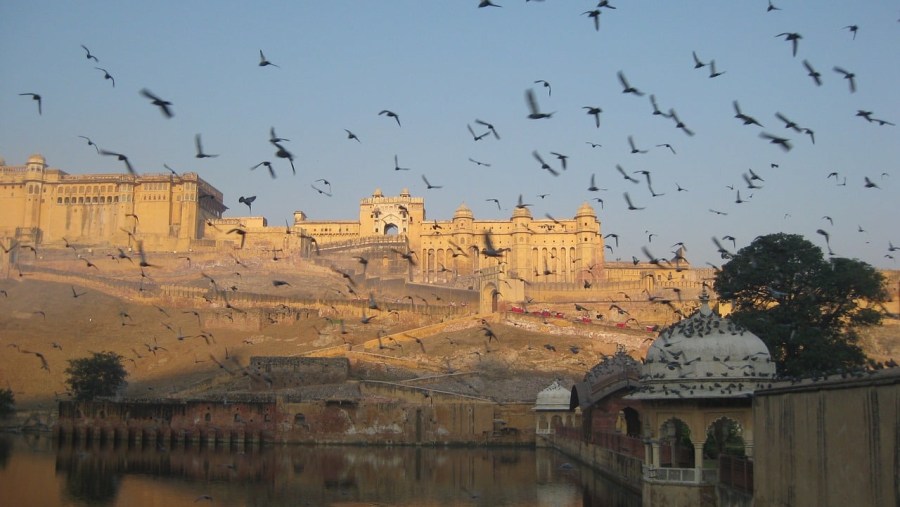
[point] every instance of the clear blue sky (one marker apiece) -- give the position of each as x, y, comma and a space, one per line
441, 65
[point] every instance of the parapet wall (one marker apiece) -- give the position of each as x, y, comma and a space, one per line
287, 372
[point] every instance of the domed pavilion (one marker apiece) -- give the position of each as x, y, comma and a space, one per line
696, 386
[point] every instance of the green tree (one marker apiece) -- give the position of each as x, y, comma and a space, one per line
805, 308
99, 375
7, 403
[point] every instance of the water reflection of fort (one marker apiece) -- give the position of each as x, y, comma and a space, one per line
322, 475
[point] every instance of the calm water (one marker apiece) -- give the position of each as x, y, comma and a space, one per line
34, 472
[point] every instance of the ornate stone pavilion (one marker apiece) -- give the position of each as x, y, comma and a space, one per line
552, 410
696, 388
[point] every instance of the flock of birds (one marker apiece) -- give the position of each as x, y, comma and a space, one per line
752, 180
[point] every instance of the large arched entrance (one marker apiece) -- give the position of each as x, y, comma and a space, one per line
391, 230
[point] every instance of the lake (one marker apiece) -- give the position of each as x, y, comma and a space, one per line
35, 472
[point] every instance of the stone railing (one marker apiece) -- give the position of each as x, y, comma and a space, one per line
681, 475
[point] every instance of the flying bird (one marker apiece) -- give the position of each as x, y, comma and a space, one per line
121, 157
282, 152
274, 139
351, 135
680, 124
35, 96
595, 111
784, 144
268, 166
91, 143
475, 136
544, 165
594, 187
535, 111
199, 146
849, 76
633, 147
546, 85
107, 75
428, 185
697, 63
626, 175
487, 3
248, 201
88, 55
631, 206
712, 70
397, 165
476, 162
391, 114
793, 37
626, 87
811, 72
489, 126
263, 62
156, 101
853, 29
595, 14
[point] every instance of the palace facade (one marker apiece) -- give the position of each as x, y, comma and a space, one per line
45, 206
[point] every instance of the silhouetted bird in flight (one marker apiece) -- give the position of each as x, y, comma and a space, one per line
489, 126
487, 3
248, 201
284, 153
697, 63
88, 55
263, 62
546, 85
595, 14
595, 111
793, 37
626, 87
853, 29
268, 166
91, 143
391, 114
351, 135
631, 205
156, 101
107, 75
121, 157
533, 108
199, 146
849, 76
811, 72
36, 97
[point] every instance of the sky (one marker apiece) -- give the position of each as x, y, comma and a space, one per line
440, 65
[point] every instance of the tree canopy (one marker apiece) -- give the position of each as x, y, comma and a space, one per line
805, 308
99, 375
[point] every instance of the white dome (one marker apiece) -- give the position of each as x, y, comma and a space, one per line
705, 356
554, 397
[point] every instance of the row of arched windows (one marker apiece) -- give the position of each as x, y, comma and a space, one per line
88, 200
